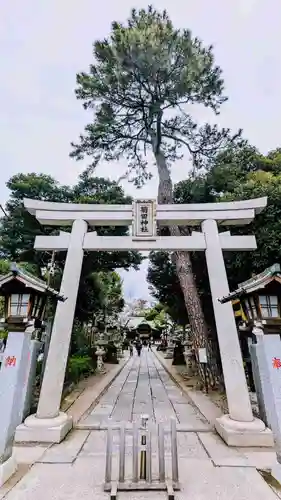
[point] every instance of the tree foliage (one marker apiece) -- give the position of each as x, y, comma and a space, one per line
165, 286
143, 76
236, 174
112, 296
141, 88
4, 267
266, 226
161, 317
19, 228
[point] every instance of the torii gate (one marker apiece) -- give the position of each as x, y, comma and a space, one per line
239, 427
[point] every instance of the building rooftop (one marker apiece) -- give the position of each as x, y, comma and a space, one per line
255, 283
135, 321
29, 280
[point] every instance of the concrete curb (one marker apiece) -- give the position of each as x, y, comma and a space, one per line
208, 409
91, 395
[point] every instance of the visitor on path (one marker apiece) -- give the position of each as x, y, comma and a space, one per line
139, 347
131, 347
149, 345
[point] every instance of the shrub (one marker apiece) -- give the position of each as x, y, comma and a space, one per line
87, 351
3, 334
79, 367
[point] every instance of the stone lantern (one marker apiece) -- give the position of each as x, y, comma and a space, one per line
260, 301
25, 299
25, 302
256, 303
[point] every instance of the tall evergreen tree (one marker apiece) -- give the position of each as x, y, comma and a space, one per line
140, 89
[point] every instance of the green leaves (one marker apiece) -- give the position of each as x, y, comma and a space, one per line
19, 228
4, 267
143, 77
165, 286
239, 173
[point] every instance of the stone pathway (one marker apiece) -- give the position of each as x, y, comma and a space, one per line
74, 469
144, 387
208, 469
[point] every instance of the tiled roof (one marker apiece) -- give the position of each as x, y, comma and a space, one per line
255, 283
29, 280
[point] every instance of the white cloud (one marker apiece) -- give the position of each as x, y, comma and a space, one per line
135, 286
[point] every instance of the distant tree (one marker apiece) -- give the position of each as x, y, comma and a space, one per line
139, 307
154, 311
160, 316
112, 296
165, 286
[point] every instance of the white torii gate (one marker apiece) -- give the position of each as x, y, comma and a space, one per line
238, 428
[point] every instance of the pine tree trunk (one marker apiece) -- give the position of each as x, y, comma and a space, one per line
183, 264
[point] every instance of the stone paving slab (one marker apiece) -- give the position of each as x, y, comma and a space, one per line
61, 482
29, 454
90, 423
259, 458
22, 470
202, 481
210, 411
144, 387
189, 445
91, 393
221, 454
83, 480
66, 451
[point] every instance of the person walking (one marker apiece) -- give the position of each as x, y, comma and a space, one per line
139, 347
131, 347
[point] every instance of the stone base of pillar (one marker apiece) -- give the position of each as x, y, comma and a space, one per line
7, 469
276, 472
246, 434
44, 430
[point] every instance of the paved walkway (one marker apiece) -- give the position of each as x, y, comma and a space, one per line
144, 387
74, 469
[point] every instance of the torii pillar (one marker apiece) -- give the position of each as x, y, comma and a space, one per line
50, 424
238, 427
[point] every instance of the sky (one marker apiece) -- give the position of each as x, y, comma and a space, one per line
44, 44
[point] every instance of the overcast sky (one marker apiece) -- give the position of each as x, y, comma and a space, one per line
45, 43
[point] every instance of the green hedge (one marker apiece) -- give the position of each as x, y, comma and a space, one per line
79, 367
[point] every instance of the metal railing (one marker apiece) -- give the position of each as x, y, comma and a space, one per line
142, 477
